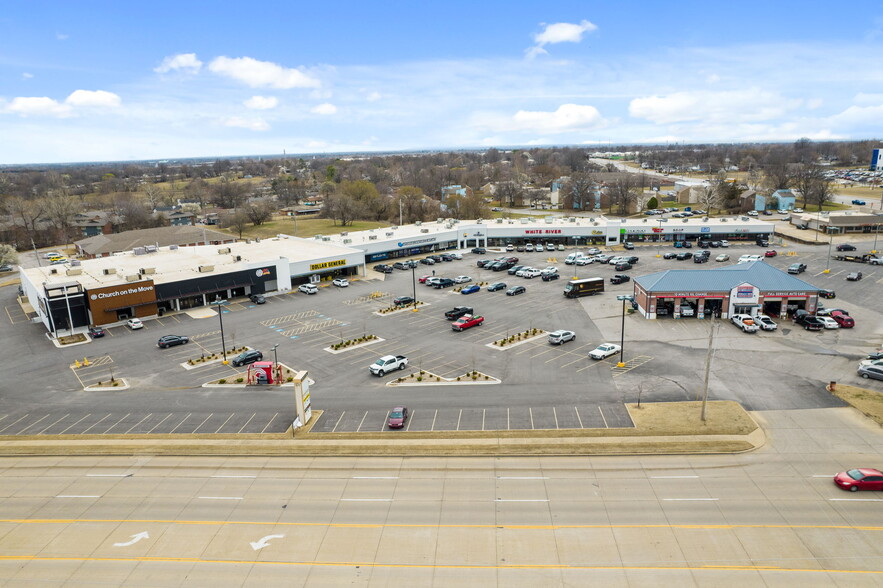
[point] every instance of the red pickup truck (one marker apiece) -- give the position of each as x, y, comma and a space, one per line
466, 321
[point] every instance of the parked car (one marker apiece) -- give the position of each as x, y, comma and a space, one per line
624, 266
467, 321
796, 268
171, 340
457, 312
340, 282
683, 255
765, 322
519, 248
860, 479
628, 245
96, 332
593, 251
308, 288
874, 372
397, 417
584, 261
549, 276
725, 243
722, 257
443, 283
827, 294
52, 254
876, 355
854, 276
771, 253
605, 350
6, 268
479, 250
701, 258
559, 337
422, 279
686, 309
844, 320
388, 363
751, 213
462, 279
510, 247
858, 202
811, 323
247, 357
383, 268
470, 289
257, 299
403, 300
745, 322
402, 265
515, 290
845, 247
496, 286
669, 255
528, 247
619, 279
427, 261
135, 323
829, 322
432, 280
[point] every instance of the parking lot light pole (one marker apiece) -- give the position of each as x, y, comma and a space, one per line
219, 304
830, 243
621, 363
414, 284
276, 369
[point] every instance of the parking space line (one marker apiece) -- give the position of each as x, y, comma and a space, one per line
530, 410
483, 413
159, 423
201, 424
579, 418
555, 414
410, 420
386, 420
90, 426
270, 422
115, 424
138, 423
507, 419
12, 423
602, 417
179, 424
225, 422
359, 428
32, 424
53, 424
246, 423
338, 421
74, 424
432, 428
459, 416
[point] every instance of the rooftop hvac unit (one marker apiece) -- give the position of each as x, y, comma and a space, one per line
394, 227
389, 233
439, 221
523, 221
53, 271
548, 221
224, 250
499, 221
257, 239
248, 241
723, 220
150, 248
206, 268
595, 223
237, 258
318, 237
705, 220
173, 247
372, 237
147, 270
424, 230
133, 278
109, 270
139, 251
683, 220
347, 241
344, 234
74, 271
326, 238
449, 226
75, 263
644, 220
418, 223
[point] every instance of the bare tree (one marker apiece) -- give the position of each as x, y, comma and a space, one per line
60, 210
508, 193
259, 212
578, 191
26, 213
342, 208
237, 221
8, 254
814, 186
623, 193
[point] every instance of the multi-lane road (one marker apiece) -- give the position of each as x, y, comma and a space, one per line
771, 517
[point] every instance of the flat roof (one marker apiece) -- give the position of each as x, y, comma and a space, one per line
174, 265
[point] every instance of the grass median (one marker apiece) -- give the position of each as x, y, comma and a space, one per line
869, 402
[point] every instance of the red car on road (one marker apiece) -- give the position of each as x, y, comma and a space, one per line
844, 320
860, 479
397, 417
771, 253
467, 321
423, 279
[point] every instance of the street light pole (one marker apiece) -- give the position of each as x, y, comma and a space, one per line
276, 369
218, 303
621, 363
830, 243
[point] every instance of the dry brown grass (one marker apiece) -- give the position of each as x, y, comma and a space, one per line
868, 402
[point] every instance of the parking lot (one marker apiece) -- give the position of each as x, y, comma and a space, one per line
542, 386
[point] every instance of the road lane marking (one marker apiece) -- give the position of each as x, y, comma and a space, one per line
32, 424
109, 475
522, 500
366, 499
338, 421
375, 477
221, 497
602, 417
78, 496
270, 422
856, 499
688, 499
12, 423
53, 424
115, 424
159, 423
138, 423
181, 423
522, 477
232, 414
362, 421
246, 423
90, 426
672, 477
576, 410
233, 476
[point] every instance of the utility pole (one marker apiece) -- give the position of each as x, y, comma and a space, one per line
708, 357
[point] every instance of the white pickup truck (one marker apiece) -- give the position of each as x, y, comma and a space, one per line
388, 363
746, 322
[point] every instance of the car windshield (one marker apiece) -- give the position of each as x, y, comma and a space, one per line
855, 474
396, 414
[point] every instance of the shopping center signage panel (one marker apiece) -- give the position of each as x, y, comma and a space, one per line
103, 302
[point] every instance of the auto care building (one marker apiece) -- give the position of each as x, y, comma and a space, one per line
745, 288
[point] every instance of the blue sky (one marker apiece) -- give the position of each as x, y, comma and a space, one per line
97, 81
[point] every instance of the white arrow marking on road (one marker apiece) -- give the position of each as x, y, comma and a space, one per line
264, 541
135, 539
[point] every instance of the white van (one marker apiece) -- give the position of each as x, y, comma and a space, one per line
573, 257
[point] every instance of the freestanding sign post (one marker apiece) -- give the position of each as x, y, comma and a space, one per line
302, 399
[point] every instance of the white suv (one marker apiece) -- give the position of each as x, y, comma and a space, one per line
308, 288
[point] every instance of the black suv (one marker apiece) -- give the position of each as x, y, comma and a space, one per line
845, 247
443, 283
796, 268
683, 255
383, 268
257, 298
827, 294
171, 341
479, 250
247, 357
403, 301
619, 279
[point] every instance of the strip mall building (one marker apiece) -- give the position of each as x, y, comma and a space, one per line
149, 281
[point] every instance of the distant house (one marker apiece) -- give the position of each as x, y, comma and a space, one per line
177, 218
182, 236
784, 199
95, 222
751, 200
455, 189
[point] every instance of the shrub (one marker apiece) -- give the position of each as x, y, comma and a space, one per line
238, 380
116, 383
419, 378
289, 379
437, 379
458, 378
189, 362
486, 377
474, 377
222, 381
422, 372
99, 383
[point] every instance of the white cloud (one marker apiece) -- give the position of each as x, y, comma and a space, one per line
97, 98
868, 98
38, 106
62, 36
182, 61
749, 104
261, 102
559, 32
814, 103
252, 124
261, 74
27, 76
712, 79
373, 97
325, 108
568, 117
